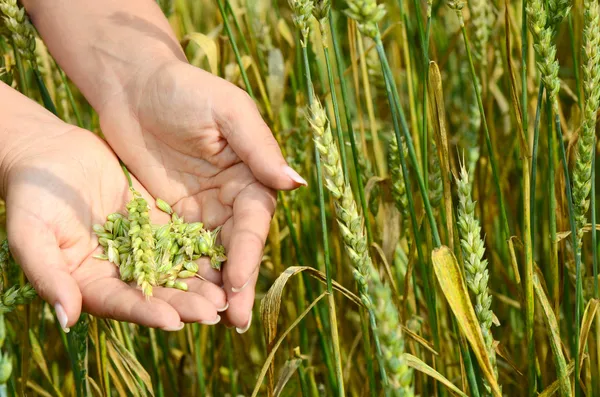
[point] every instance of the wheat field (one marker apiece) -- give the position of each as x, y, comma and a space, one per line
445, 244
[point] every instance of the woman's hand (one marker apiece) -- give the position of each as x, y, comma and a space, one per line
199, 143
58, 181
191, 138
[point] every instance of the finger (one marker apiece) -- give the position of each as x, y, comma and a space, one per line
252, 140
108, 297
191, 307
207, 272
35, 248
239, 313
252, 212
213, 293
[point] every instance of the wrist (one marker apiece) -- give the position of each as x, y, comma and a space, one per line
105, 46
23, 123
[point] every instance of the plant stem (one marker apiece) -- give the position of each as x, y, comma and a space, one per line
488, 140
235, 48
534, 154
336, 112
578, 276
396, 110
345, 99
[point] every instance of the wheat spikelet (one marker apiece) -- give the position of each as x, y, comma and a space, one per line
302, 11
352, 229
481, 20
398, 186
545, 49
476, 272
367, 15
582, 172
21, 30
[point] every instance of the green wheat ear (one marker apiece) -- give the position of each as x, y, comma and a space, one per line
367, 14
582, 173
476, 272
21, 31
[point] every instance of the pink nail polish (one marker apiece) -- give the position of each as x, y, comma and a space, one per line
61, 315
294, 176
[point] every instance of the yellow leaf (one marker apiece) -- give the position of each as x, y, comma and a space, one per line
207, 45
420, 366
586, 324
285, 32
454, 287
553, 335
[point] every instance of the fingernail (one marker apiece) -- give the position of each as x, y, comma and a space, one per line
246, 328
294, 176
224, 308
241, 288
213, 322
62, 317
173, 329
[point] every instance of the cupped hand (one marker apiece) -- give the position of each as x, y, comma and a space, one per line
57, 185
199, 142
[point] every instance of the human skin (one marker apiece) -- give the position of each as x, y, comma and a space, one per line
57, 181
190, 138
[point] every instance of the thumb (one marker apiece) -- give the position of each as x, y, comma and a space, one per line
251, 139
35, 248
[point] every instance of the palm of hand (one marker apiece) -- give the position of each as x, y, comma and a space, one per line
176, 137
60, 187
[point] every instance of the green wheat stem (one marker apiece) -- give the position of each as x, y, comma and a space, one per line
594, 232
336, 112
534, 155
234, 47
552, 204
396, 110
571, 211
23, 86
322, 212
425, 132
488, 140
71, 99
237, 26
199, 361
351, 135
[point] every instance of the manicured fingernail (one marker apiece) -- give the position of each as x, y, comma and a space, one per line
241, 288
62, 317
213, 322
173, 329
294, 176
224, 308
246, 328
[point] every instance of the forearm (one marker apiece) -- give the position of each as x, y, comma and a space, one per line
22, 121
103, 44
